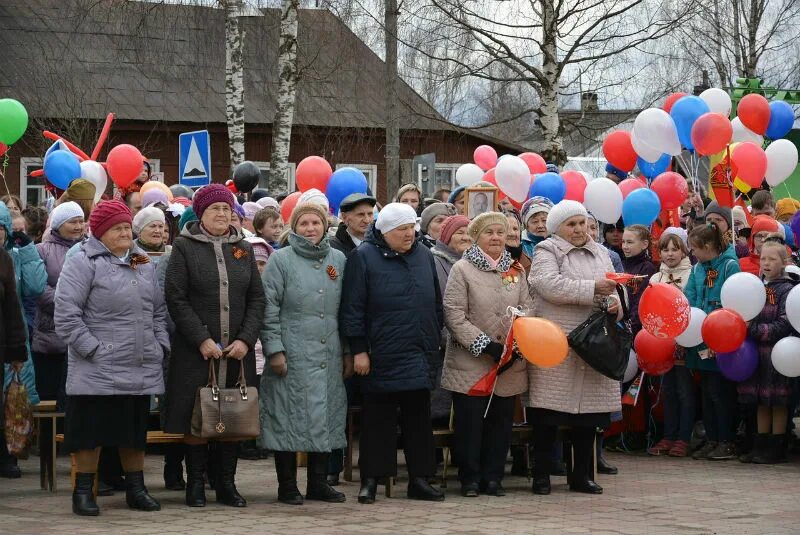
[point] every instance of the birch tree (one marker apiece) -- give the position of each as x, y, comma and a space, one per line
234, 80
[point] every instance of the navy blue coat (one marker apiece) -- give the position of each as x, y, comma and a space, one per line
392, 308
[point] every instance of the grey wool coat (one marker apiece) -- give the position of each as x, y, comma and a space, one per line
113, 318
305, 409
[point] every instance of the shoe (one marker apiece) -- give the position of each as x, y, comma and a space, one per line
104, 489
136, 495
586, 486
420, 489
495, 488
704, 450
680, 448
248, 450
541, 485
333, 480
558, 469
777, 445
318, 488
226, 475
769, 449
83, 503
603, 467
173, 476
723, 452
9, 468
662, 447
286, 468
196, 461
469, 490
369, 486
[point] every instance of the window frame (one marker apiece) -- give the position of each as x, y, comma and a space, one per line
372, 169
24, 163
290, 180
453, 167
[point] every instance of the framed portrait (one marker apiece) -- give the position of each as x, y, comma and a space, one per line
480, 199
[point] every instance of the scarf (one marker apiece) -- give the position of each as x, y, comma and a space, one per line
480, 260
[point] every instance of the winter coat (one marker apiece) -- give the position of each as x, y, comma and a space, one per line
616, 260
562, 282
677, 276
751, 264
306, 409
13, 334
53, 251
441, 399
529, 243
214, 291
708, 299
444, 257
475, 312
638, 265
392, 309
342, 241
113, 318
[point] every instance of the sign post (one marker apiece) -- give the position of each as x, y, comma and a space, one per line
194, 159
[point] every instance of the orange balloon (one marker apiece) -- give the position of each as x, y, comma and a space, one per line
540, 341
155, 184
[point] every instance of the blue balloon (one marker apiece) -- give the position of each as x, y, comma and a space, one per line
344, 181
781, 119
640, 207
653, 169
61, 167
549, 185
685, 112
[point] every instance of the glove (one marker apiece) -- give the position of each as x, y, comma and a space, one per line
494, 350
20, 239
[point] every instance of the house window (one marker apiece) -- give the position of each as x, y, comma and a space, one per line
155, 170
264, 180
370, 171
445, 176
31, 189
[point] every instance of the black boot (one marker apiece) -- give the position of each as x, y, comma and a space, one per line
777, 447
420, 489
318, 487
8, 463
541, 485
136, 495
582, 480
196, 461
226, 475
173, 468
603, 466
82, 500
369, 487
286, 468
248, 450
761, 451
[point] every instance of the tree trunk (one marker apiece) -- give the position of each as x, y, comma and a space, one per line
754, 21
392, 128
287, 89
737, 39
719, 63
234, 81
552, 146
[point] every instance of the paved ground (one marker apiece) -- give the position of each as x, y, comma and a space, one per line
650, 496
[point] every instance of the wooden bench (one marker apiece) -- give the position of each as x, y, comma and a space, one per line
43, 411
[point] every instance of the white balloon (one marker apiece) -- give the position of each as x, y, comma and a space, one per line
94, 173
513, 177
603, 199
718, 100
468, 175
692, 336
655, 127
643, 149
786, 356
742, 133
781, 161
793, 307
791, 268
632, 369
745, 294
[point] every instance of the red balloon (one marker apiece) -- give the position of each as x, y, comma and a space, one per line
630, 184
655, 356
671, 189
124, 164
485, 157
231, 187
749, 162
536, 163
576, 184
618, 150
671, 100
664, 310
723, 330
313, 173
753, 111
711, 133
288, 204
3, 148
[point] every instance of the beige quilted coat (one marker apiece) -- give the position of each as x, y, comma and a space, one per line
562, 285
475, 302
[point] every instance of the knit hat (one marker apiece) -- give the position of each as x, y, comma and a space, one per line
258, 194
208, 195
434, 210
145, 216
261, 248
107, 214
81, 189
479, 224
561, 212
187, 216
269, 202
393, 215
723, 211
679, 232
317, 197
786, 207
153, 196
308, 208
551, 167
63, 213
739, 217
250, 210
450, 226
533, 206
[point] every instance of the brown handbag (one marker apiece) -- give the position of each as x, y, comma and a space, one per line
226, 412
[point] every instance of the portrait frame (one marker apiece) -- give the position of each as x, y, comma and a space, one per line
474, 200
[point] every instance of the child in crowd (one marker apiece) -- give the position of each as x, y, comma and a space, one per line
534, 217
763, 226
268, 225
677, 385
767, 388
762, 203
636, 261
716, 262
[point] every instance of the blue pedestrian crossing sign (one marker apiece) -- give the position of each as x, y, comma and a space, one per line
194, 161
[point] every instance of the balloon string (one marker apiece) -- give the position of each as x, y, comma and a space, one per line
788, 192
3, 171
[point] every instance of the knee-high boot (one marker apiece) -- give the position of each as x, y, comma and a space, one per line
226, 475
318, 487
286, 468
196, 460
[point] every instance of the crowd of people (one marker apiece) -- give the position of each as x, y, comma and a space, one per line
117, 308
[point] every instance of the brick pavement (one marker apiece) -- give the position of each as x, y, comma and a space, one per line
650, 496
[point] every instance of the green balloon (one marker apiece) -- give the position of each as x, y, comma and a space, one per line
13, 120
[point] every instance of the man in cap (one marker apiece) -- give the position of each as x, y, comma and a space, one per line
356, 212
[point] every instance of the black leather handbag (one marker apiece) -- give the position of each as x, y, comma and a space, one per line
603, 342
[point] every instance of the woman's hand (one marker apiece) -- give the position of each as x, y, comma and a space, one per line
277, 364
237, 350
604, 287
613, 306
347, 366
361, 363
210, 350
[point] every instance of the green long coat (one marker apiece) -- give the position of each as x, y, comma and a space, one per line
306, 409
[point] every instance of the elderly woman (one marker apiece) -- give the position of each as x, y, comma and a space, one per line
306, 402
533, 219
110, 311
431, 222
514, 240
481, 287
391, 314
568, 284
216, 300
150, 227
